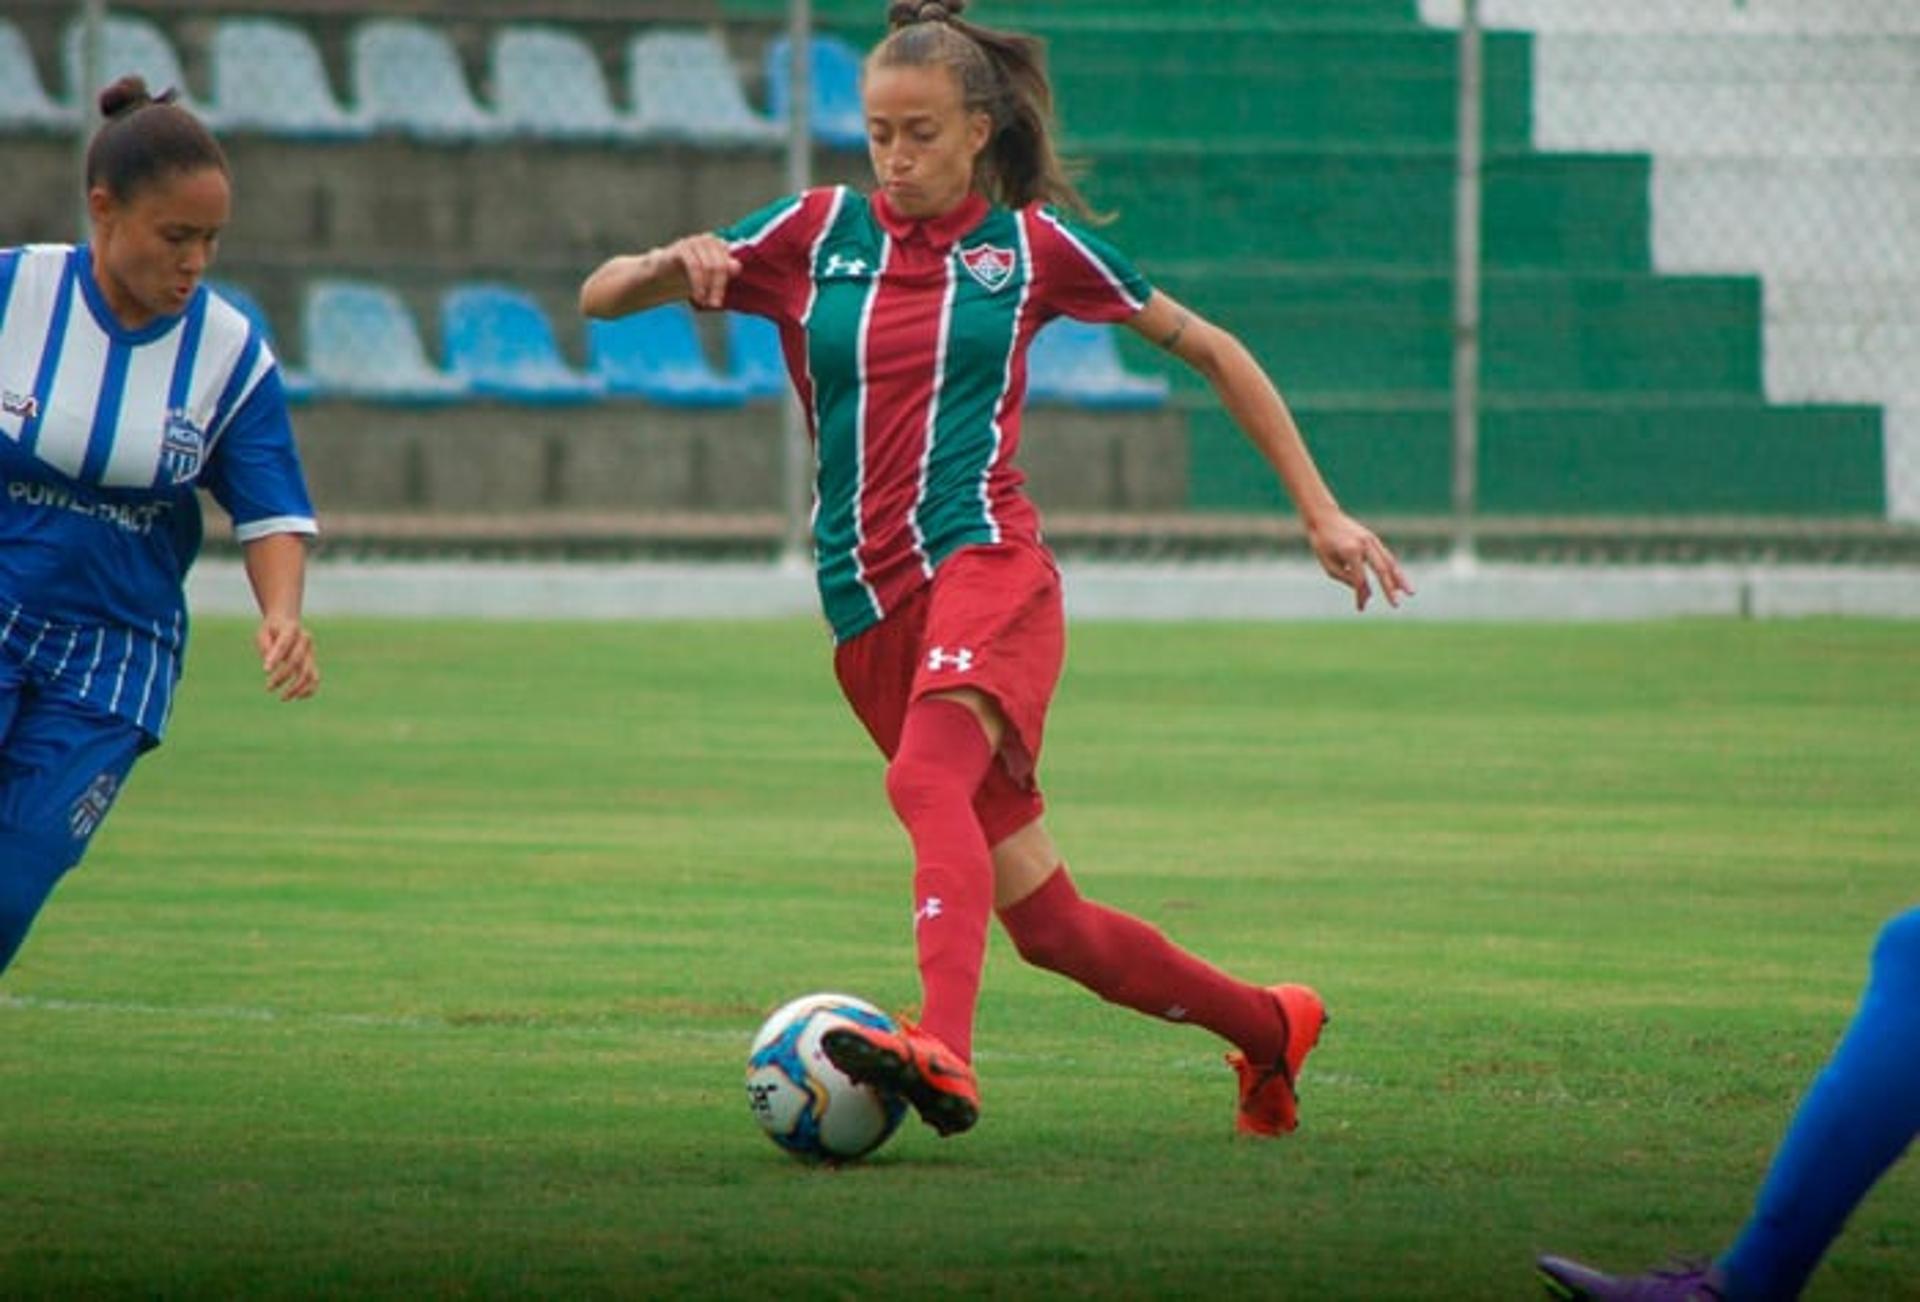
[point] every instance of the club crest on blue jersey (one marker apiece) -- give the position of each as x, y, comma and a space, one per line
19, 404
183, 448
992, 267
92, 806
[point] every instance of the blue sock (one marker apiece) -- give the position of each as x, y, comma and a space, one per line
1856, 1121
29, 867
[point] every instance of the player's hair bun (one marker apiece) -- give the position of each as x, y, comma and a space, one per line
130, 93
904, 13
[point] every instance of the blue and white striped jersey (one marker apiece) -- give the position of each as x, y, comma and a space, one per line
107, 433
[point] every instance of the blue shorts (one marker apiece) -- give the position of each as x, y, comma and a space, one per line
61, 765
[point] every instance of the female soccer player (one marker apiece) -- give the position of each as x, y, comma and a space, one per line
905, 317
1861, 1114
124, 385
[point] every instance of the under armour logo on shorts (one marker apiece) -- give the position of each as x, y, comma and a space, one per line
960, 659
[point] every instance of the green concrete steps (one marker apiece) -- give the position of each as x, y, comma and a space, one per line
1578, 456
1369, 207
1630, 333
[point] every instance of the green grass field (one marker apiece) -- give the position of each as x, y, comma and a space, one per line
440, 985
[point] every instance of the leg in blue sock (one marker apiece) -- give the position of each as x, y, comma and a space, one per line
29, 867
1859, 1117
60, 768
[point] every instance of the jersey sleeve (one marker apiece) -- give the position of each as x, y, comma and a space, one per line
254, 472
775, 250
1079, 274
9, 263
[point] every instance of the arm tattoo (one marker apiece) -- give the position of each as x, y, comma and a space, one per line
1173, 335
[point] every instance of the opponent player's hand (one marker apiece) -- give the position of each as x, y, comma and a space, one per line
708, 265
287, 658
1348, 550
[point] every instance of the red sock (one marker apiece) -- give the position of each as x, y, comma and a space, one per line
1127, 962
942, 759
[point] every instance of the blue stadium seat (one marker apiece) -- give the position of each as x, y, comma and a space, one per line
362, 343
657, 355
126, 45
500, 343
268, 76
1077, 363
548, 82
297, 384
753, 356
407, 77
836, 115
24, 103
684, 87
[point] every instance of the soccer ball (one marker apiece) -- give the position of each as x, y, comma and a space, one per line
804, 1102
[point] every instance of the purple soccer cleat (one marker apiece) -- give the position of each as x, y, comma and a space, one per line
1572, 1282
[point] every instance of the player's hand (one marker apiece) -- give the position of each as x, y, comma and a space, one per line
1348, 550
708, 263
287, 658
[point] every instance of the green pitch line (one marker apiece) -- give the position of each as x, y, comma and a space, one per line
440, 985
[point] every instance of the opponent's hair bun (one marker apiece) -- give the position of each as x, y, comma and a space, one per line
130, 93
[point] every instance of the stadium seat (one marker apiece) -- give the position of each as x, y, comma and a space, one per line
1078, 363
407, 77
498, 341
753, 356
684, 87
362, 343
548, 82
836, 116
268, 76
23, 101
657, 355
126, 45
298, 384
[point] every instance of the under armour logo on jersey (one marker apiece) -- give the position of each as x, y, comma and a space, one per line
182, 448
19, 404
930, 910
92, 806
992, 267
839, 266
960, 659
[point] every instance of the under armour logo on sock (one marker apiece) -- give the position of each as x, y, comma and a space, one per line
928, 911
1177, 1013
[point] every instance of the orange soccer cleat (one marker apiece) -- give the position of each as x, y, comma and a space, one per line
913, 1064
1268, 1103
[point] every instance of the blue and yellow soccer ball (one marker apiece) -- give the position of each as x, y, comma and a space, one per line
805, 1103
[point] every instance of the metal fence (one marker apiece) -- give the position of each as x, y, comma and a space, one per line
1783, 143
1677, 314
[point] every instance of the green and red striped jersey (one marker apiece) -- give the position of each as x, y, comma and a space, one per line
907, 343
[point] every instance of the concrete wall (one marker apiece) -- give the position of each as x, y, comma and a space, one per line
620, 458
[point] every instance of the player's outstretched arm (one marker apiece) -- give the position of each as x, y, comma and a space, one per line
277, 569
697, 268
1348, 551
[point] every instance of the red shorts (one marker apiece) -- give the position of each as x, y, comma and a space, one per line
990, 620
